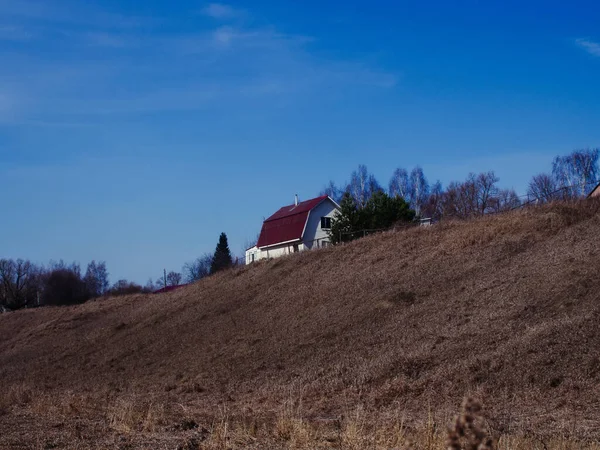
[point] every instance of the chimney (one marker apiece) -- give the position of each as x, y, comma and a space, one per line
296, 200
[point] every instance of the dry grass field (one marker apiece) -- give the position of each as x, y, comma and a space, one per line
369, 345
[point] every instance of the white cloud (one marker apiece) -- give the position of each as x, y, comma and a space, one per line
593, 48
220, 11
224, 35
108, 72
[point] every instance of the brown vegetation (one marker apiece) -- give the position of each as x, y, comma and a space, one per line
371, 344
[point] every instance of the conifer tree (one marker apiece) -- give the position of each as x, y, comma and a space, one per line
222, 258
346, 221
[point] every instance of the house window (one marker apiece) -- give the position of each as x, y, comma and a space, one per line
324, 244
326, 223
252, 257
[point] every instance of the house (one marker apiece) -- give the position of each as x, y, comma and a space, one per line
294, 228
595, 192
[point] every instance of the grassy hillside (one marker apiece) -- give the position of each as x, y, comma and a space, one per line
383, 336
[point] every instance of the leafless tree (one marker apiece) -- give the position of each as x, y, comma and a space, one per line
433, 205
543, 188
197, 269
96, 279
173, 278
20, 283
399, 184
576, 172
505, 200
458, 200
333, 191
419, 189
362, 186
476, 196
487, 191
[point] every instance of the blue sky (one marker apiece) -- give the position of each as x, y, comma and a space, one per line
135, 132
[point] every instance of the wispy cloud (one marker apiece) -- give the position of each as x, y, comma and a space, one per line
227, 36
593, 48
103, 72
112, 40
221, 11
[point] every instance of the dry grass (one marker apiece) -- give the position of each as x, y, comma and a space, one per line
126, 415
380, 339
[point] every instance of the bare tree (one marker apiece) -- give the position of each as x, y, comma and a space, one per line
576, 172
173, 278
333, 191
476, 196
419, 189
197, 269
433, 205
399, 184
543, 188
20, 283
486, 191
505, 200
96, 279
362, 186
458, 200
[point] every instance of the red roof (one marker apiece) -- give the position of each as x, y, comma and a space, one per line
169, 288
288, 223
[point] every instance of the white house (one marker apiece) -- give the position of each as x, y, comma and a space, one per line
300, 226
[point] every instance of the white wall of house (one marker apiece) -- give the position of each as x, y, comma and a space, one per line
272, 252
314, 235
252, 255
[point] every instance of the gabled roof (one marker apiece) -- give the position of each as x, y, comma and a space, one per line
287, 224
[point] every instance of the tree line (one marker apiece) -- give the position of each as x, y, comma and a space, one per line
25, 284
572, 176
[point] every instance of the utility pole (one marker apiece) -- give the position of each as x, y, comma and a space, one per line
165, 272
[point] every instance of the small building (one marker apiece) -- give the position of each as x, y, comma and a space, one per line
294, 228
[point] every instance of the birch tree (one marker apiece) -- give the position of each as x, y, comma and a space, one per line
399, 184
419, 189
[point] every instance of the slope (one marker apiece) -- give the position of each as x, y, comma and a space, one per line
505, 307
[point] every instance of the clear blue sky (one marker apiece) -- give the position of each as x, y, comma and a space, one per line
135, 132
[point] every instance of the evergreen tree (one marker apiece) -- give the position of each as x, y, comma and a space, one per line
222, 258
346, 221
380, 212
383, 211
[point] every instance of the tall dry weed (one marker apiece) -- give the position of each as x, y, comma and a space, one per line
467, 432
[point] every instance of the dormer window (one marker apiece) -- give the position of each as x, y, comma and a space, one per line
326, 223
